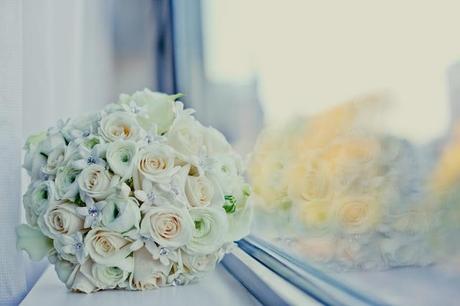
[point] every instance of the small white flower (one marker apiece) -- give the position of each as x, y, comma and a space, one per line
71, 247
92, 212
90, 157
163, 254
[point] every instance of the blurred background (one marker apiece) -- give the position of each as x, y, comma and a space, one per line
242, 65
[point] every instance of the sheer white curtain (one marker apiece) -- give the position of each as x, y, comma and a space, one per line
12, 271
55, 61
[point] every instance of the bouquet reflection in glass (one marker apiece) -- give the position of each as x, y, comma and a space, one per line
337, 190
139, 195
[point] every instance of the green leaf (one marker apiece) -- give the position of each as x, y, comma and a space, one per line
32, 241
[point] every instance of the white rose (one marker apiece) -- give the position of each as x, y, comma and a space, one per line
37, 199
62, 219
55, 160
168, 226
66, 183
81, 126
199, 191
121, 214
95, 276
121, 156
239, 214
210, 229
96, 182
33, 160
225, 172
66, 272
200, 263
155, 163
50, 143
120, 126
186, 135
108, 248
109, 277
215, 142
151, 108
148, 273
37, 153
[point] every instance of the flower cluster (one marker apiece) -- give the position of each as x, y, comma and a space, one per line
351, 197
139, 195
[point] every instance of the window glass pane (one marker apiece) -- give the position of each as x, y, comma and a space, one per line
363, 190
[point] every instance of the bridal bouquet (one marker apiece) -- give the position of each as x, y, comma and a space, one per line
348, 196
139, 195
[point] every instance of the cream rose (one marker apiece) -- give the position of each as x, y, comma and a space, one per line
210, 229
121, 156
168, 226
108, 248
55, 160
96, 182
121, 214
357, 215
148, 273
62, 219
155, 163
120, 126
186, 135
199, 191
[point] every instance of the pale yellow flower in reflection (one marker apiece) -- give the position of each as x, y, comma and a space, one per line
318, 249
313, 214
357, 215
447, 172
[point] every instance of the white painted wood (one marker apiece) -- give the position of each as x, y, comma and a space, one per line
218, 288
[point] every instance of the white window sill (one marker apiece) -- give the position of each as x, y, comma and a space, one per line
218, 288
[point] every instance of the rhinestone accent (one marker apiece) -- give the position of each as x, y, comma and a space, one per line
91, 160
86, 133
93, 212
179, 281
149, 139
164, 251
175, 190
151, 196
78, 245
